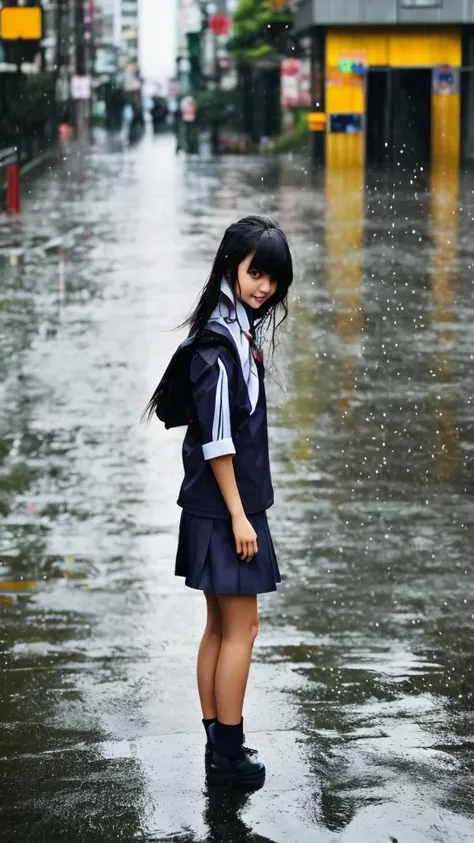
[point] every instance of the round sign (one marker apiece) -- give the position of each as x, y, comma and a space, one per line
220, 24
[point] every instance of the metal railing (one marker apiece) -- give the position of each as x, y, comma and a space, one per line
8, 156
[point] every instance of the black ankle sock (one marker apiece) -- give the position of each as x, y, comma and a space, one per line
229, 740
207, 723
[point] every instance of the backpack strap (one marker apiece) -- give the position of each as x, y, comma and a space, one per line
209, 344
209, 353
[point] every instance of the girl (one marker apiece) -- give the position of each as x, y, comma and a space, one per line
225, 547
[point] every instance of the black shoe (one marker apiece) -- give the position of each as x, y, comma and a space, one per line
208, 752
243, 772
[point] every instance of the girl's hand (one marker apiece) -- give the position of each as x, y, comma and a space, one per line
245, 537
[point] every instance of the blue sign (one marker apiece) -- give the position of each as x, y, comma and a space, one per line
347, 124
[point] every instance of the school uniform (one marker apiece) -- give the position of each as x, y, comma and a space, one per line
229, 397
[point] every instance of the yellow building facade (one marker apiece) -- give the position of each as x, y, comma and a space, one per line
391, 49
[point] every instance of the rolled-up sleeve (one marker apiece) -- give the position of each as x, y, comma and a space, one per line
211, 397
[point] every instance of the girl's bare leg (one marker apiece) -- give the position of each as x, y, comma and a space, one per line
239, 614
208, 655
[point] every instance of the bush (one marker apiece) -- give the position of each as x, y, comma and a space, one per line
221, 107
295, 140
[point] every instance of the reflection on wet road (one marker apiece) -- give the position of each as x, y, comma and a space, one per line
361, 691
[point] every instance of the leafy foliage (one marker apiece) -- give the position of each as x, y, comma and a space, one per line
258, 31
296, 140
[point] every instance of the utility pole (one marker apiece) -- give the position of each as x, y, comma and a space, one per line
215, 129
62, 61
82, 68
79, 33
221, 12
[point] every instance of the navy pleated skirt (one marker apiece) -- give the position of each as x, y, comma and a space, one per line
207, 557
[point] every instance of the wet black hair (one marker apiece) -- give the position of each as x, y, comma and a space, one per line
262, 236
271, 255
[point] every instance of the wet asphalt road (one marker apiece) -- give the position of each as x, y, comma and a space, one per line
361, 692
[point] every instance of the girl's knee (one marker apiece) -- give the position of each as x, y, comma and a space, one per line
243, 633
239, 618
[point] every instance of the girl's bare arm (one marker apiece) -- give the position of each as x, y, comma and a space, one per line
244, 534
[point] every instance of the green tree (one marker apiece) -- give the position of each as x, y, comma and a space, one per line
261, 38
259, 31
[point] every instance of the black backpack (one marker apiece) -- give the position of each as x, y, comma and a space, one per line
172, 400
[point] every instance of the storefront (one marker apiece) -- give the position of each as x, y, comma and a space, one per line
392, 79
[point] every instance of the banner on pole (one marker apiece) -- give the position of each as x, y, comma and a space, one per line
81, 87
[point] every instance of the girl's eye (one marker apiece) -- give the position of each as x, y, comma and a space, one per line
254, 273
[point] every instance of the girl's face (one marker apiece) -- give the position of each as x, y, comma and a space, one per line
254, 287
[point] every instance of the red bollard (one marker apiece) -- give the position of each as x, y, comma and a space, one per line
13, 195
64, 132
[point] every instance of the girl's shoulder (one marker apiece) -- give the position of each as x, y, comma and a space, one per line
211, 345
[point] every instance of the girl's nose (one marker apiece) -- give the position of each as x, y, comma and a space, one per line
265, 285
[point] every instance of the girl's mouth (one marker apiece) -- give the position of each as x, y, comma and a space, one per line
260, 299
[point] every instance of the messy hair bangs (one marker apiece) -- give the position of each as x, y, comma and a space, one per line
262, 236
272, 257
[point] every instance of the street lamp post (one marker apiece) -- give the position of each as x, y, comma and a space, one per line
190, 76
219, 23
83, 10
215, 131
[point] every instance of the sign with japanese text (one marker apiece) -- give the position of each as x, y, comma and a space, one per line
336, 79
290, 89
353, 61
188, 109
295, 75
81, 87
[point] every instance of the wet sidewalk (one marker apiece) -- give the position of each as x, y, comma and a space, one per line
360, 698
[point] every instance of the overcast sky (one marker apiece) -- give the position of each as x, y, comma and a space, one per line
157, 39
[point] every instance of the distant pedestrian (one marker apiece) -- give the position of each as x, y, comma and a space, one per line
128, 114
215, 383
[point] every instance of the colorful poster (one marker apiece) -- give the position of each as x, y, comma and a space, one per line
445, 80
